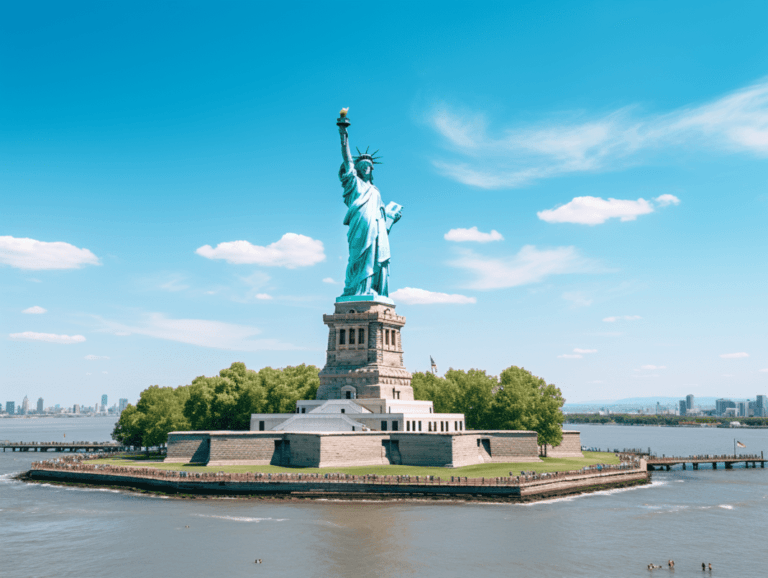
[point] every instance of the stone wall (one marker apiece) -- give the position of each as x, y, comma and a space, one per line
424, 449
353, 449
305, 450
346, 450
245, 448
514, 446
186, 447
570, 447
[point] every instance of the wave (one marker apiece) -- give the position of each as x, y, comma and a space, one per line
654, 483
241, 518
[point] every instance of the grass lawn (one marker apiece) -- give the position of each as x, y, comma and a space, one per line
476, 471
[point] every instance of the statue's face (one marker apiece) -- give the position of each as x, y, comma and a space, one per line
365, 171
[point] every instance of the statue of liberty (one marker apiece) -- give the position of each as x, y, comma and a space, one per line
369, 222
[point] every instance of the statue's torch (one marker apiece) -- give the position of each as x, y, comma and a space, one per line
343, 120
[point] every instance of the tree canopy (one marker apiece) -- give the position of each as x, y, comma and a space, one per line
222, 402
517, 400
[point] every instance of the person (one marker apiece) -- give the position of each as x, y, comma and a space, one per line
703, 566
369, 224
710, 566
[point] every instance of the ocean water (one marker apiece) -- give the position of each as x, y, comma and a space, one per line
691, 517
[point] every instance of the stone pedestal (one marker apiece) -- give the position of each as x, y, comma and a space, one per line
365, 354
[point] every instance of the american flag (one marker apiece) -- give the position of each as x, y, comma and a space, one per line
433, 364
741, 445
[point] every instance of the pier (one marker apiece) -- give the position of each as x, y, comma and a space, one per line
62, 446
661, 463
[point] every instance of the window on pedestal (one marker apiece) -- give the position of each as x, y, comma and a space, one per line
342, 336
419, 426
386, 337
383, 426
349, 395
352, 336
395, 426
361, 336
261, 426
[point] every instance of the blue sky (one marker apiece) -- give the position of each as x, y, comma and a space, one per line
584, 188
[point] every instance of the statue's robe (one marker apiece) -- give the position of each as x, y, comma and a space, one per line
368, 266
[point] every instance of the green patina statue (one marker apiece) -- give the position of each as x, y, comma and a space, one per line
369, 224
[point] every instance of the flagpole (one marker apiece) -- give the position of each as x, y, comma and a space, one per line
734, 447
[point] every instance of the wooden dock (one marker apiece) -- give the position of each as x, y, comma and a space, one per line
62, 446
666, 463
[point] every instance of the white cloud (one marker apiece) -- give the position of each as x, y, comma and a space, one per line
595, 211
621, 318
665, 200
472, 234
413, 296
290, 251
577, 299
739, 355
94, 357
36, 310
530, 265
764, 370
577, 350
263, 296
329, 280
104, 372
24, 253
570, 356
49, 337
653, 367
518, 155
201, 332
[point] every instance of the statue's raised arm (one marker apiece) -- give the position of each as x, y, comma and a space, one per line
368, 219
346, 153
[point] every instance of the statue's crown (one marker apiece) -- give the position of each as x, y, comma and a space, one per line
371, 158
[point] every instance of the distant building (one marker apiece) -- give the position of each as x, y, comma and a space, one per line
689, 401
721, 405
104, 402
10, 407
39, 405
25, 406
761, 406
730, 412
122, 405
76, 408
742, 408
658, 408
683, 407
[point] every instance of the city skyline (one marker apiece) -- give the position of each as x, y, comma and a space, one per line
594, 214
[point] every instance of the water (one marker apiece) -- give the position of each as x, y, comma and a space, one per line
693, 517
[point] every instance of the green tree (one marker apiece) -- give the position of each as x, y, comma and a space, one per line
158, 412
524, 401
226, 401
474, 396
284, 387
441, 392
128, 427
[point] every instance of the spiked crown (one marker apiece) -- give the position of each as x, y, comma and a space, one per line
371, 158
